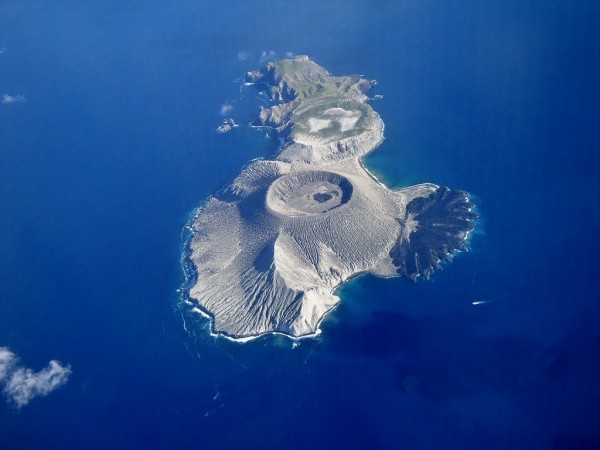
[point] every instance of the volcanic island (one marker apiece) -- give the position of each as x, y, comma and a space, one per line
270, 249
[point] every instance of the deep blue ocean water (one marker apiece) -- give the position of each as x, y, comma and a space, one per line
115, 146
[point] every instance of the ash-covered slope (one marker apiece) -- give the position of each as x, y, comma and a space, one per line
270, 249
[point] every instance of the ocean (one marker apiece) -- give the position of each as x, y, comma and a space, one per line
108, 144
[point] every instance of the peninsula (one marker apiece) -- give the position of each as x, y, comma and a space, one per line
270, 249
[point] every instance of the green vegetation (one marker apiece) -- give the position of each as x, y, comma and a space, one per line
308, 79
317, 92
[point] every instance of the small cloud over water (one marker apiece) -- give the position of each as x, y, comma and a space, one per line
21, 384
267, 55
264, 57
226, 109
9, 99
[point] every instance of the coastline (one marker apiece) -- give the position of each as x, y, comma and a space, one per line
194, 307
190, 277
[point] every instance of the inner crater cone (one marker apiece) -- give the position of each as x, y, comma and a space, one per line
308, 193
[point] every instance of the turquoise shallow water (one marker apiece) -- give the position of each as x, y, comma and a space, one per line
115, 146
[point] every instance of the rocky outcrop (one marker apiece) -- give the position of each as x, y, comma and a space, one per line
226, 126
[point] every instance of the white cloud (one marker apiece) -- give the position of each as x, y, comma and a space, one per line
2, 50
266, 56
7, 361
243, 56
8, 99
226, 108
21, 384
289, 54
